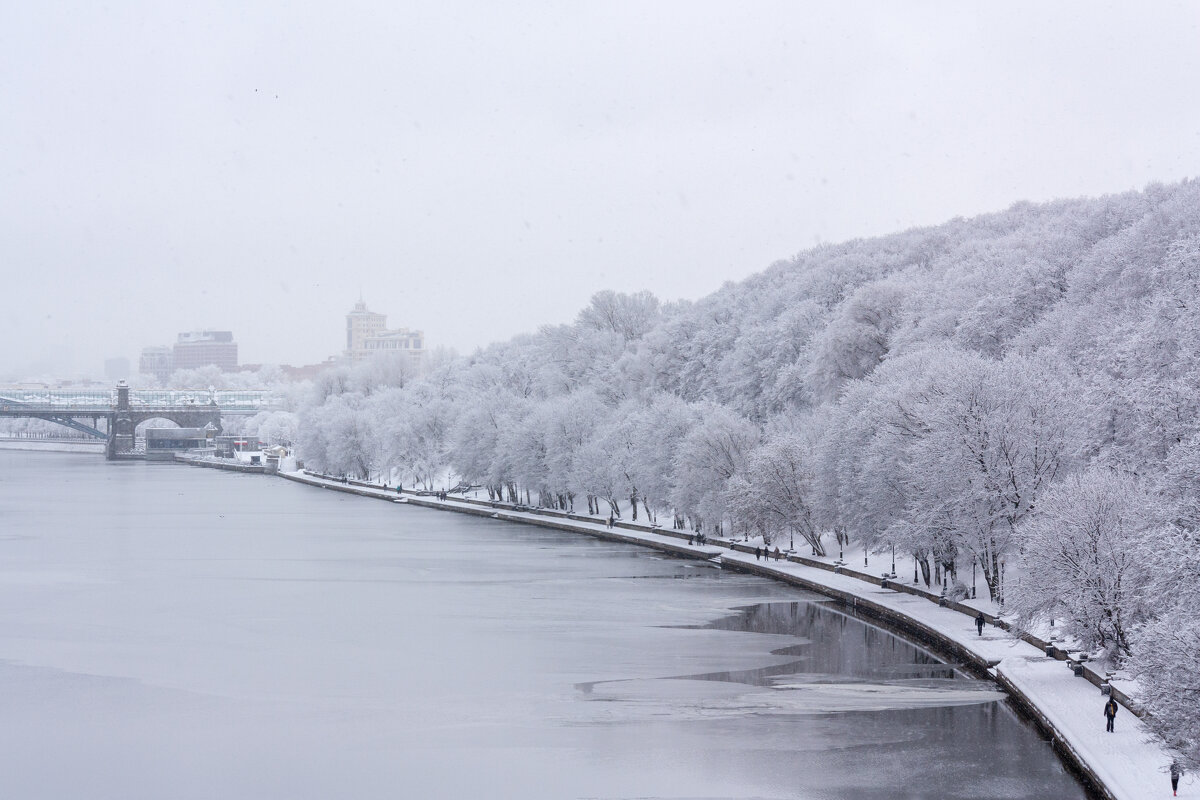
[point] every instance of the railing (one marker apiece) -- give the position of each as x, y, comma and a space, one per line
106, 399
59, 397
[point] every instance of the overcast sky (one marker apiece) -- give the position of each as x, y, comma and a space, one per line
479, 169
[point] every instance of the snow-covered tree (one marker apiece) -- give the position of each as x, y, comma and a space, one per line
714, 450
1084, 559
774, 494
1166, 652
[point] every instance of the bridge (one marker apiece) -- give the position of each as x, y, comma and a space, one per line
123, 409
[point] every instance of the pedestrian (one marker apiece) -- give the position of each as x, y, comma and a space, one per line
776, 553
757, 553
1110, 711
1176, 774
610, 520
979, 620
691, 540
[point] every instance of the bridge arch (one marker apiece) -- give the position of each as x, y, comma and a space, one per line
182, 419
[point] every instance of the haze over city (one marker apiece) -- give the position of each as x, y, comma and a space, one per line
475, 170
536, 400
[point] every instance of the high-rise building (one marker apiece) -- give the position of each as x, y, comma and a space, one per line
367, 335
196, 349
156, 361
361, 324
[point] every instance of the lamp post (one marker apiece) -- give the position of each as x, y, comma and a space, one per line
893, 559
974, 559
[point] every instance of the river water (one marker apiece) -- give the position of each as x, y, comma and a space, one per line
173, 632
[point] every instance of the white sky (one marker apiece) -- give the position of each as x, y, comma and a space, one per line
479, 169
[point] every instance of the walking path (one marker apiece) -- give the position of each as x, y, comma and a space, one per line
1128, 764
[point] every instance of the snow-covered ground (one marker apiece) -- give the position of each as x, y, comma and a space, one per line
1129, 762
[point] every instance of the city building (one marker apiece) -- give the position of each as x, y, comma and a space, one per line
360, 325
163, 443
156, 361
367, 335
196, 349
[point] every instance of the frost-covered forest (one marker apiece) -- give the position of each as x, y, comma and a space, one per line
1016, 392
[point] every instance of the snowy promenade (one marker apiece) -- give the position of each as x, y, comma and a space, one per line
1125, 765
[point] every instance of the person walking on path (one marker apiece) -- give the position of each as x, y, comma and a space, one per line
1110, 711
757, 553
979, 620
776, 553
1176, 774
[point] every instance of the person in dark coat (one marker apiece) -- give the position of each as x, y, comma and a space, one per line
757, 553
1110, 711
979, 620
1176, 774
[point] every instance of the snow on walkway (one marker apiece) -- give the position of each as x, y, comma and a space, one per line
1130, 762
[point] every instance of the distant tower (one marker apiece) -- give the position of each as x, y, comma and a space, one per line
361, 325
367, 335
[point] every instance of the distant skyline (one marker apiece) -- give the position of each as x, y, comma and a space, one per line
475, 170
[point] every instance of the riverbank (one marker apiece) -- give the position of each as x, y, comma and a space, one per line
1122, 765
229, 465
51, 445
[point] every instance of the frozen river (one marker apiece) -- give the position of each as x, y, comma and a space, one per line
172, 632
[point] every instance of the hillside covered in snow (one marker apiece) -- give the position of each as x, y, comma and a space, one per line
1017, 391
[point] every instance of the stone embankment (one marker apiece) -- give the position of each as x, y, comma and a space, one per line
227, 464
1043, 680
49, 445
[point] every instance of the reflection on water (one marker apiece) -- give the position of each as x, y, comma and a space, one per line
860, 649
833, 662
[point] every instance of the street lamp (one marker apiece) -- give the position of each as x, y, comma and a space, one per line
893, 559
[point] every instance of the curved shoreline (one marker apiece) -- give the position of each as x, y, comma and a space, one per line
1053, 702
